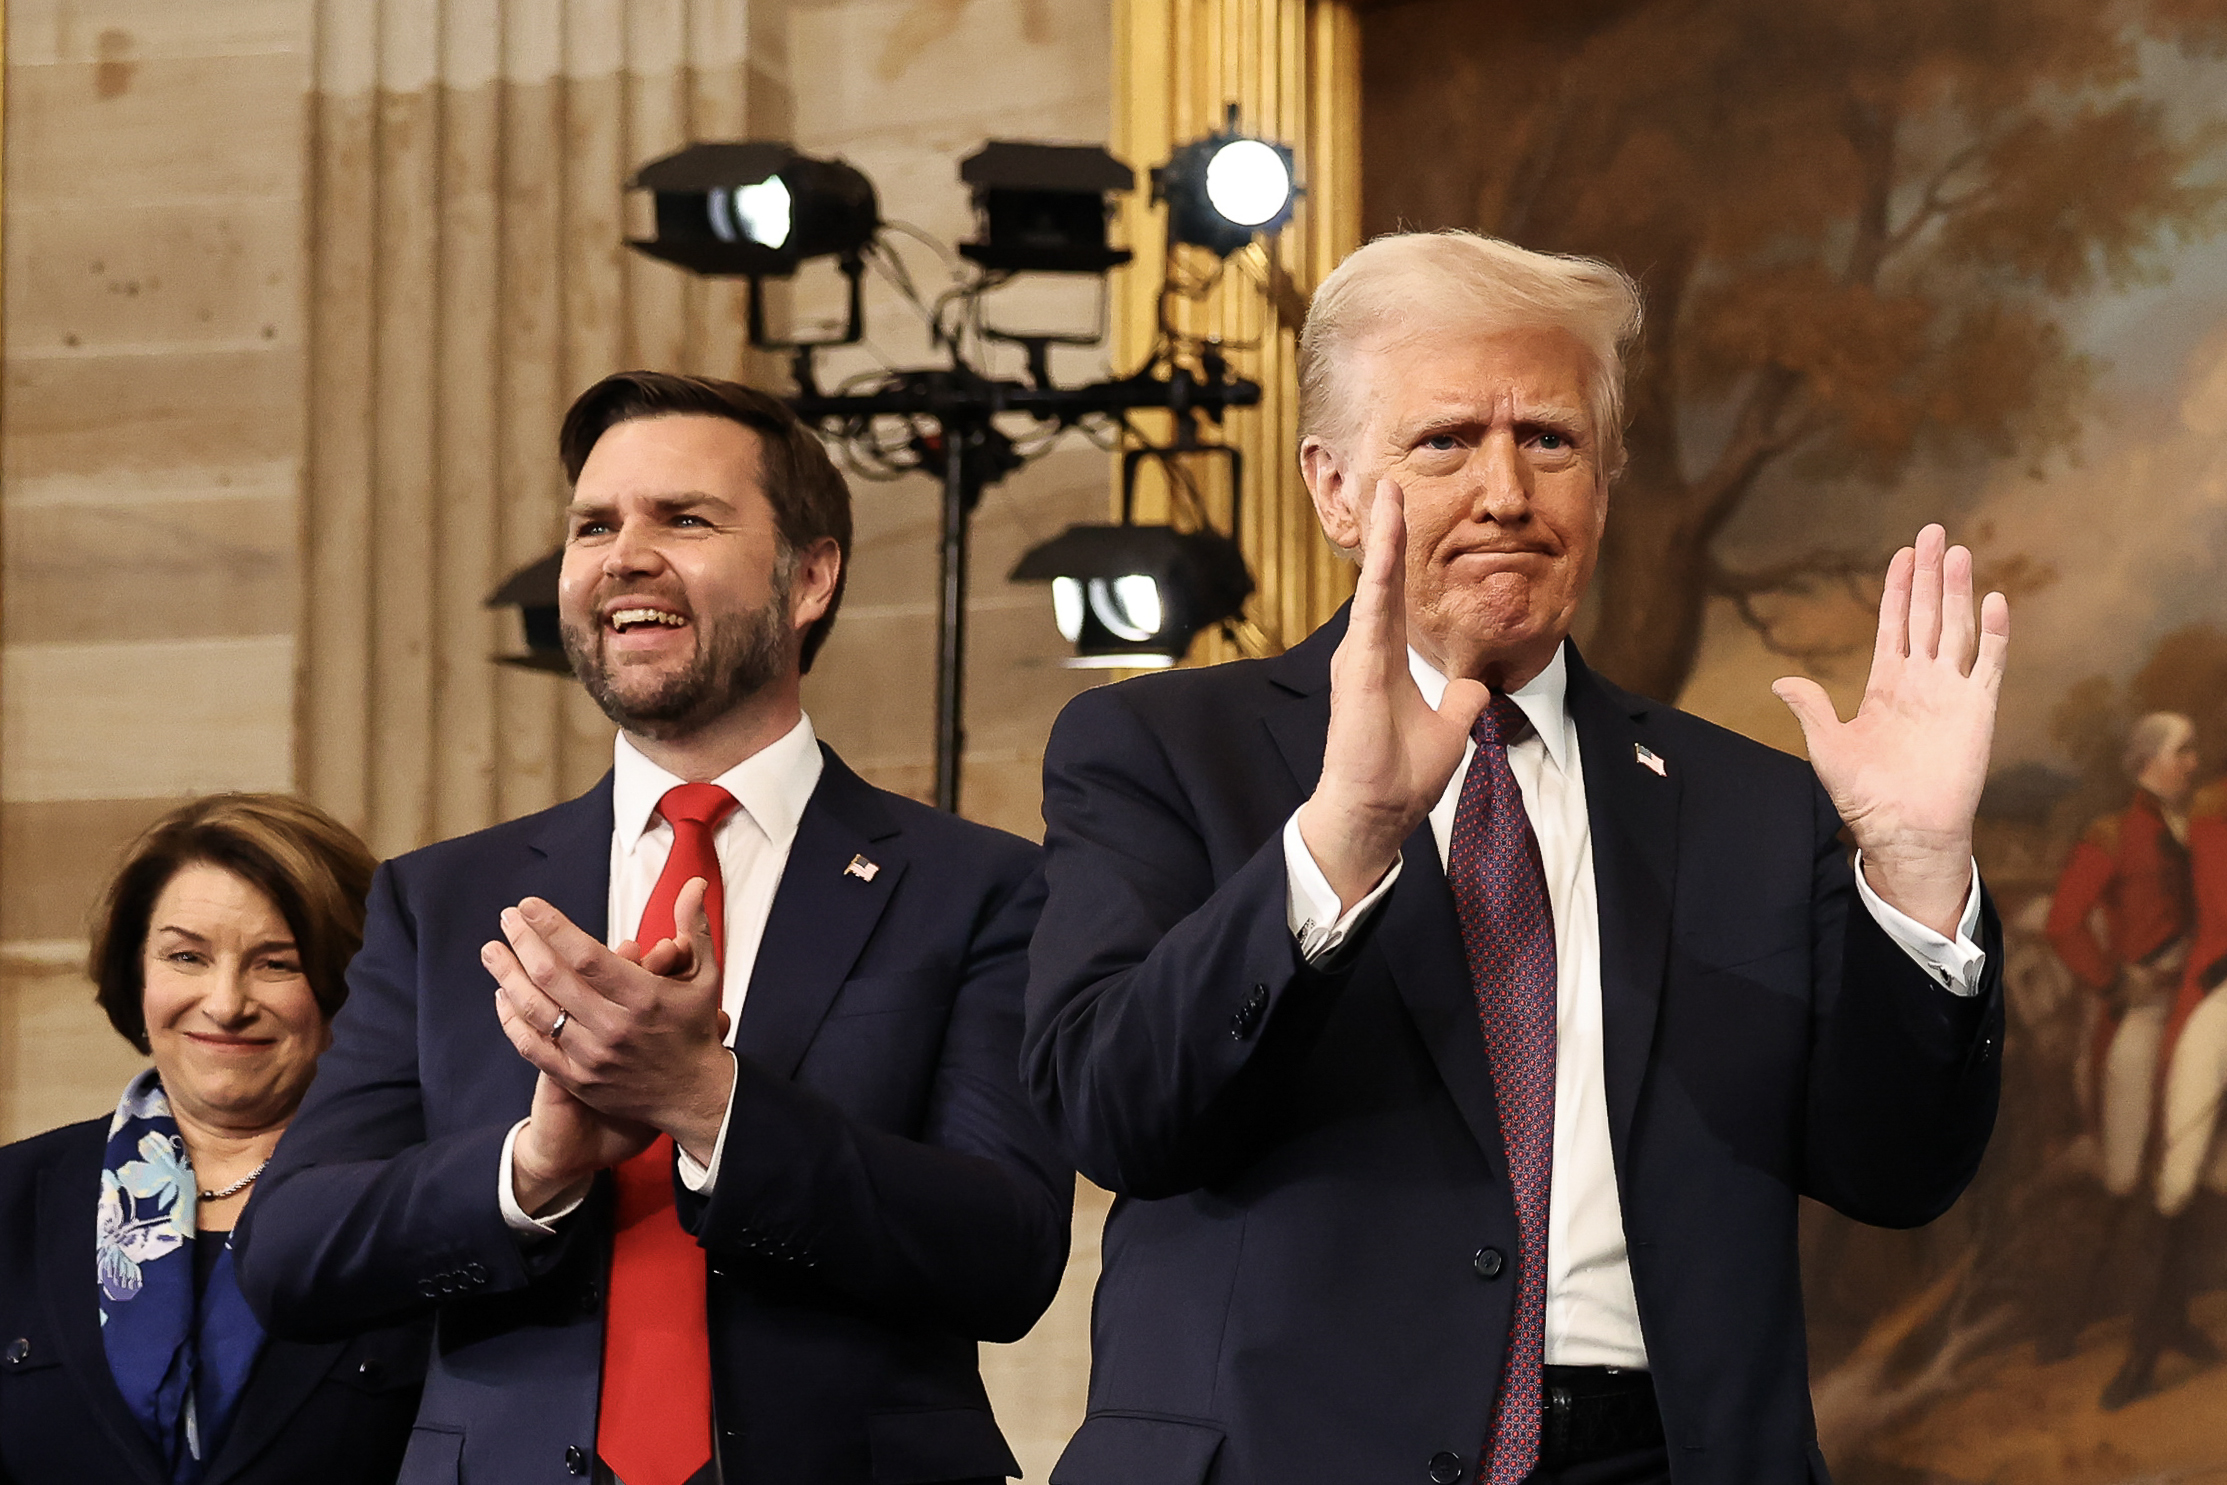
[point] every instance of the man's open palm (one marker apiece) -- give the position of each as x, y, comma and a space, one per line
1906, 771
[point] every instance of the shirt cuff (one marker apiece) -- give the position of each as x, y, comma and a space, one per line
1955, 966
701, 1178
506, 1195
1311, 907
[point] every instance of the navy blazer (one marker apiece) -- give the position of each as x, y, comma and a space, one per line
885, 1198
1306, 1274
336, 1411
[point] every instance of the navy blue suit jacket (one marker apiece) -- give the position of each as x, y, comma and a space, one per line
1309, 1161
885, 1198
332, 1411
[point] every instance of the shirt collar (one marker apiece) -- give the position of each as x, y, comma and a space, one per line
1543, 700
772, 785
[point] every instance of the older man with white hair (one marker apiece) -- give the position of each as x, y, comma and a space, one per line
1457, 1030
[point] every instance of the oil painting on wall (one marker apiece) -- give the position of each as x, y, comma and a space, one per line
1909, 260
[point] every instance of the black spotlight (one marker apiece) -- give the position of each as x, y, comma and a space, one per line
1133, 596
1042, 208
1225, 190
755, 209
532, 590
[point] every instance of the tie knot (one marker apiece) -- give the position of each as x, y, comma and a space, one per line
1502, 723
696, 804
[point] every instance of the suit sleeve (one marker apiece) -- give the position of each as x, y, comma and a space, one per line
1164, 1007
361, 1220
1904, 1075
966, 1225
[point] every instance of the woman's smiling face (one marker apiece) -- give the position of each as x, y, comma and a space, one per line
235, 1028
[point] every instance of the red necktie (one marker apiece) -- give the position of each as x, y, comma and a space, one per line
1507, 931
654, 1424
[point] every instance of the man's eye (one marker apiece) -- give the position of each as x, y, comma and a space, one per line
591, 528
690, 521
1553, 441
1441, 442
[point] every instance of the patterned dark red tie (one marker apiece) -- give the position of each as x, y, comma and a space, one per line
1507, 930
653, 1426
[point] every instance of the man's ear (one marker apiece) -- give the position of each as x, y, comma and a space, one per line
1334, 492
812, 585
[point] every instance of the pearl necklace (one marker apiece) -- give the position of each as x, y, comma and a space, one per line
237, 1186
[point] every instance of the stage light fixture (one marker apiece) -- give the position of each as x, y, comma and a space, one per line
1043, 208
1133, 596
532, 590
755, 209
1226, 189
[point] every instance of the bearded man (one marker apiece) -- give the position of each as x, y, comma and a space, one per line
688, 1108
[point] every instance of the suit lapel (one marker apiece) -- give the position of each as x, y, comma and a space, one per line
1300, 727
285, 1375
1634, 815
823, 913
1420, 939
65, 1227
572, 870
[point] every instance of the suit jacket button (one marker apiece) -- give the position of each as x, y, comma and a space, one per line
575, 1460
19, 1350
430, 1288
1488, 1263
476, 1272
369, 1369
1258, 1000
1445, 1467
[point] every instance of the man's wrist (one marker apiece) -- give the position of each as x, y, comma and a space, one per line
696, 1122
1352, 852
538, 1190
1929, 885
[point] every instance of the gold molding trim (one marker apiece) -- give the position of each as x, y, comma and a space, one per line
1293, 68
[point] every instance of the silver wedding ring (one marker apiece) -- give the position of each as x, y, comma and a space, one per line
556, 1027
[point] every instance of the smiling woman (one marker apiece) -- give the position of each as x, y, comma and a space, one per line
219, 949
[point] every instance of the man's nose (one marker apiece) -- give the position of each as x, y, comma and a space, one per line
633, 551
1502, 493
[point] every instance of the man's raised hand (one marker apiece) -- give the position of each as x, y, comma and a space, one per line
1389, 755
1906, 771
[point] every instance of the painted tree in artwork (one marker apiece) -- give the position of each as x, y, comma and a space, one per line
1857, 223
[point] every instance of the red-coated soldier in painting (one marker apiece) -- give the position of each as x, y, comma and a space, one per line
2132, 870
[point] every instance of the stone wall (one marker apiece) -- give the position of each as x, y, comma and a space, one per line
151, 469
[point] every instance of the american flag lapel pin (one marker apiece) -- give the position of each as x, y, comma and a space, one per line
865, 870
1648, 759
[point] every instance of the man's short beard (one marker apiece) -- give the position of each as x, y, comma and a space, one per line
736, 657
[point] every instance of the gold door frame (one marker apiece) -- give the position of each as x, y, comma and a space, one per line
1293, 68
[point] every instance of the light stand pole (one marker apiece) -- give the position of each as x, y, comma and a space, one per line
975, 455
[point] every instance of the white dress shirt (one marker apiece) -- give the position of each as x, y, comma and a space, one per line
1592, 1317
771, 788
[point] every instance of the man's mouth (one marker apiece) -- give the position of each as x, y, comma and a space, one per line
628, 620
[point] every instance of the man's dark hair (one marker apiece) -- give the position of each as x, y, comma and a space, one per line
810, 499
